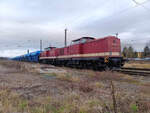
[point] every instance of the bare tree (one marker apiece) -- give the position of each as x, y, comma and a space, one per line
146, 51
125, 51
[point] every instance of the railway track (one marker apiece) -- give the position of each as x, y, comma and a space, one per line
134, 71
130, 71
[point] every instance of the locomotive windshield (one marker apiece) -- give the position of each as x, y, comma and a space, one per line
82, 40
49, 48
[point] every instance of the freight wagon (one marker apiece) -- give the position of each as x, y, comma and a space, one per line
30, 57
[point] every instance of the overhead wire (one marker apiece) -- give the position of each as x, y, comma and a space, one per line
139, 4
127, 9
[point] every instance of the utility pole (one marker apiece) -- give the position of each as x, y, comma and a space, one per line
40, 45
65, 37
117, 35
28, 51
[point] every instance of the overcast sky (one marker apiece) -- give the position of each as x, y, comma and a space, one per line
24, 22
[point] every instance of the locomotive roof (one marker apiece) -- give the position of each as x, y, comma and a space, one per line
83, 38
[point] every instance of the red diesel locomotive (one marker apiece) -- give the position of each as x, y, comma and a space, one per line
86, 52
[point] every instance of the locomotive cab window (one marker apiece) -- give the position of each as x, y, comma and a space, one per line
83, 41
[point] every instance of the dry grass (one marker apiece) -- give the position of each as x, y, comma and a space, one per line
19, 66
67, 77
11, 102
138, 64
78, 91
145, 89
98, 85
71, 102
147, 84
113, 76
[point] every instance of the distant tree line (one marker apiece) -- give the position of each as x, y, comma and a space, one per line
3, 58
129, 52
146, 51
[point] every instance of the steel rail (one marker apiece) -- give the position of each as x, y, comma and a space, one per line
134, 71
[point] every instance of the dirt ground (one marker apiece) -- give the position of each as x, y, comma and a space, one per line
70, 90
